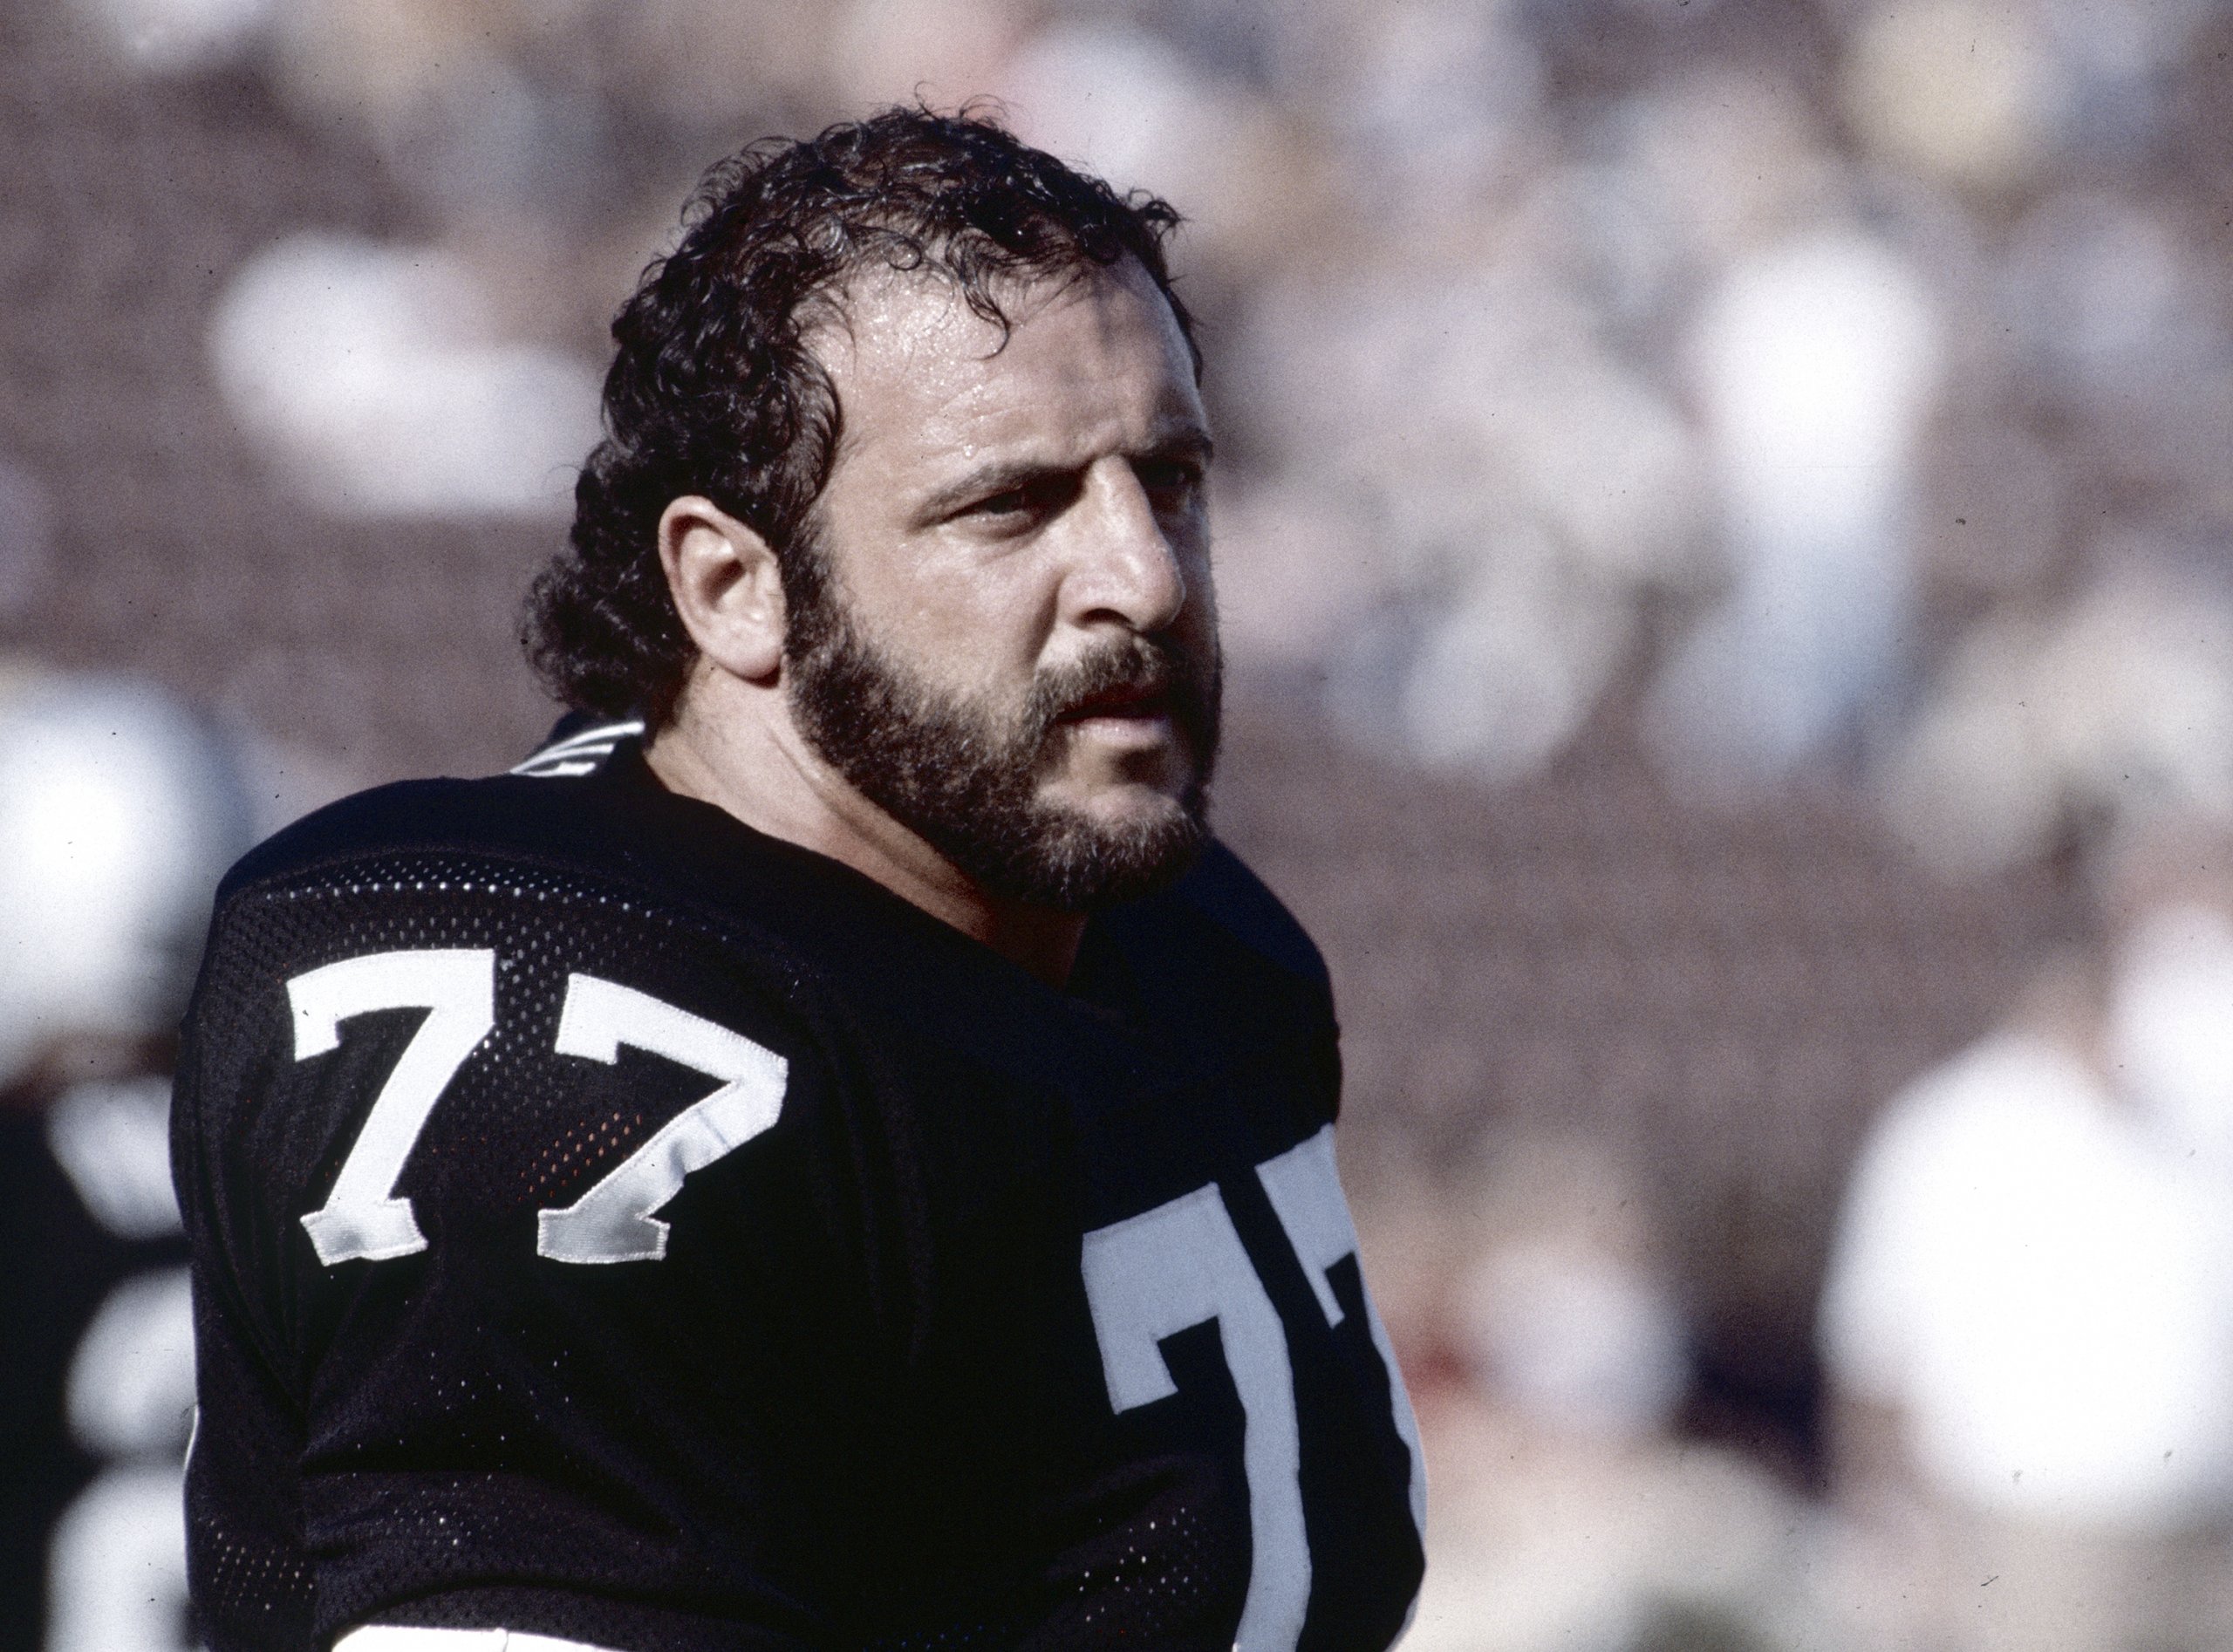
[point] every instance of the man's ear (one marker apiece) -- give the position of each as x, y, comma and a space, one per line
726, 585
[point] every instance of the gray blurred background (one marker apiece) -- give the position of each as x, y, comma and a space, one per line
1723, 517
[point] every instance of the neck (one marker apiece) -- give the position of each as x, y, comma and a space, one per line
733, 744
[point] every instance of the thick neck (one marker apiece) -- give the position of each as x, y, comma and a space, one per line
733, 744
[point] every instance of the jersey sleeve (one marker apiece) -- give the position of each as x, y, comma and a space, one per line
538, 1266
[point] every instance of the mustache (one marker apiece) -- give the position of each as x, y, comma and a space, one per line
1137, 668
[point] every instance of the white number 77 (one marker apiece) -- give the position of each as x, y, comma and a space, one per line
1153, 1275
364, 1217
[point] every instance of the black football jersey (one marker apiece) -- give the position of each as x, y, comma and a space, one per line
611, 1223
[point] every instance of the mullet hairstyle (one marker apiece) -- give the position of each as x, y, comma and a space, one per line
713, 390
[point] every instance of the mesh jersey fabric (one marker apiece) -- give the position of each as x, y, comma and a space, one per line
856, 1388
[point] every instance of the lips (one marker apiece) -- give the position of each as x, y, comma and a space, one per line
1142, 700
1134, 687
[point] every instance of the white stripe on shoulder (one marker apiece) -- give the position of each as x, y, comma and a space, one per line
564, 768
380, 1637
579, 752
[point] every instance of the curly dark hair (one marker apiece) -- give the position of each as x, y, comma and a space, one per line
713, 390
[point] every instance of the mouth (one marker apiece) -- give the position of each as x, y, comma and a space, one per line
1140, 703
1144, 710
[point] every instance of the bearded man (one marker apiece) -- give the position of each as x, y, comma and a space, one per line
829, 1152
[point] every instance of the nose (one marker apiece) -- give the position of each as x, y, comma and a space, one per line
1128, 565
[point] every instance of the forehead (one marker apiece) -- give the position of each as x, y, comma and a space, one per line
1089, 357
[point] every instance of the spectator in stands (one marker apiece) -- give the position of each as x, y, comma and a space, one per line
1566, 1514
2029, 1319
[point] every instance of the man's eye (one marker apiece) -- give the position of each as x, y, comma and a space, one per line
1171, 481
1026, 502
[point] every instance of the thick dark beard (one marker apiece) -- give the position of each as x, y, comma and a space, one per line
966, 779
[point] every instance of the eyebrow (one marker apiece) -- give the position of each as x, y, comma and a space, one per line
986, 481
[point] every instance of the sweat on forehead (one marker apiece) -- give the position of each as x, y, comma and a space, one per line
929, 305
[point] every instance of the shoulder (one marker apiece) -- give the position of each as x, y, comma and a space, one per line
524, 930
529, 871
590, 867
409, 815
497, 816
1222, 889
551, 804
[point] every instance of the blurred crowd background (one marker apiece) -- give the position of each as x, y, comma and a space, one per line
1726, 537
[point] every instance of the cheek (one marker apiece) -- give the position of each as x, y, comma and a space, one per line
984, 622
969, 638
